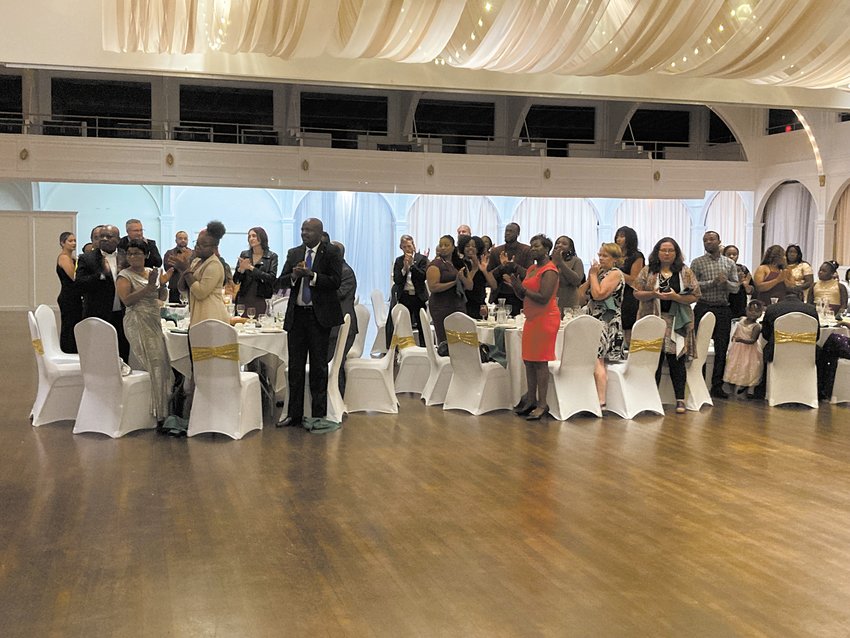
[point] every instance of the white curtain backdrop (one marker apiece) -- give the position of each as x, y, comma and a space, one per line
364, 223
727, 214
557, 216
432, 216
842, 229
787, 42
653, 219
789, 217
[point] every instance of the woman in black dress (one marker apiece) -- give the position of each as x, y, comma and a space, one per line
256, 272
626, 238
474, 273
70, 301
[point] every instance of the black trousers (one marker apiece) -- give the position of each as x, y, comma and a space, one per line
678, 373
308, 340
722, 329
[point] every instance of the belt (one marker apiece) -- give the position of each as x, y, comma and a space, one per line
304, 308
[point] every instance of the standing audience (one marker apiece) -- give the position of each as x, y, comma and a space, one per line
666, 288
96, 274
69, 301
136, 231
605, 284
346, 293
570, 272
446, 294
474, 272
256, 272
738, 299
409, 283
718, 278
801, 275
543, 318
203, 278
141, 289
181, 243
510, 258
771, 277
633, 262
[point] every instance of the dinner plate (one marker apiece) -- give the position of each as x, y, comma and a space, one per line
271, 330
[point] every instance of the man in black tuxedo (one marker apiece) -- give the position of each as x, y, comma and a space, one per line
135, 231
96, 273
791, 303
313, 273
409, 284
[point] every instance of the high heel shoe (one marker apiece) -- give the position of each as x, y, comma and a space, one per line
522, 408
537, 413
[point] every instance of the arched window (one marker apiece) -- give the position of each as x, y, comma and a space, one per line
789, 216
364, 224
432, 216
557, 216
653, 219
727, 214
842, 229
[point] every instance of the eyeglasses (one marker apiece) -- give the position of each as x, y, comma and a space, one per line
135, 254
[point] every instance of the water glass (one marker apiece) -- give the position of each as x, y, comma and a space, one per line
240, 310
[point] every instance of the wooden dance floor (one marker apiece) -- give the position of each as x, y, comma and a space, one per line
730, 522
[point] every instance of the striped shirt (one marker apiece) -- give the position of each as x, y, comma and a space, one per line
706, 268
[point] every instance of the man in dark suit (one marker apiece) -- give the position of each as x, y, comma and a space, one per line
346, 293
96, 273
791, 303
313, 273
135, 231
409, 284
510, 258
181, 244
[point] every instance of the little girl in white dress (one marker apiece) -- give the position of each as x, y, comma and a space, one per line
744, 361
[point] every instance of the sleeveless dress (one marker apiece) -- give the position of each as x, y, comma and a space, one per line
143, 330
829, 290
442, 304
611, 345
744, 361
776, 291
541, 320
70, 304
630, 304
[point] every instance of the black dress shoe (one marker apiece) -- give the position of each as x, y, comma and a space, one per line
719, 393
289, 422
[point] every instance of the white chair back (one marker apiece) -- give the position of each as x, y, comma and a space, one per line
696, 391
38, 348
336, 406
226, 400
631, 387
572, 388
430, 348
402, 327
97, 342
46, 320
379, 308
463, 345
111, 404
646, 343
581, 343
792, 375
362, 314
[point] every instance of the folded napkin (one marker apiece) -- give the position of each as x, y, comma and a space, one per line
320, 425
498, 352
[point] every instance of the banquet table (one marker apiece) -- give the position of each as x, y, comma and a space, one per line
251, 346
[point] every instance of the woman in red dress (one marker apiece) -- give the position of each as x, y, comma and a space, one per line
542, 320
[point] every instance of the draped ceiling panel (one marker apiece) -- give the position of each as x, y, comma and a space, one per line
776, 42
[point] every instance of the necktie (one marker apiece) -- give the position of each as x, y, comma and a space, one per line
306, 293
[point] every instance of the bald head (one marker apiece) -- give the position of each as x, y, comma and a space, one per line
311, 231
341, 248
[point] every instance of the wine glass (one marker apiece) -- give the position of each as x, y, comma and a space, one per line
483, 310
240, 310
251, 312
184, 298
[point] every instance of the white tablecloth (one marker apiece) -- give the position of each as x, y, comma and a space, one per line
251, 346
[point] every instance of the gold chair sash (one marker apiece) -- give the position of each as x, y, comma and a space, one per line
229, 351
810, 338
402, 342
469, 338
650, 345
38, 347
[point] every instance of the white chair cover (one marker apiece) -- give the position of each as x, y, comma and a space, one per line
362, 314
631, 385
379, 310
440, 370
475, 387
60, 383
111, 404
335, 406
792, 375
46, 320
696, 390
227, 400
572, 388
413, 364
841, 387
369, 385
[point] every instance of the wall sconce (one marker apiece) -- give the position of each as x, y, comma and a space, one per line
24, 154
822, 180
657, 176
430, 169
305, 165
169, 159
547, 174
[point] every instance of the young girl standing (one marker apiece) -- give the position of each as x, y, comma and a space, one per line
744, 361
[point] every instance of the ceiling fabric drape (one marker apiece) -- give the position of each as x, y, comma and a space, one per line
781, 42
